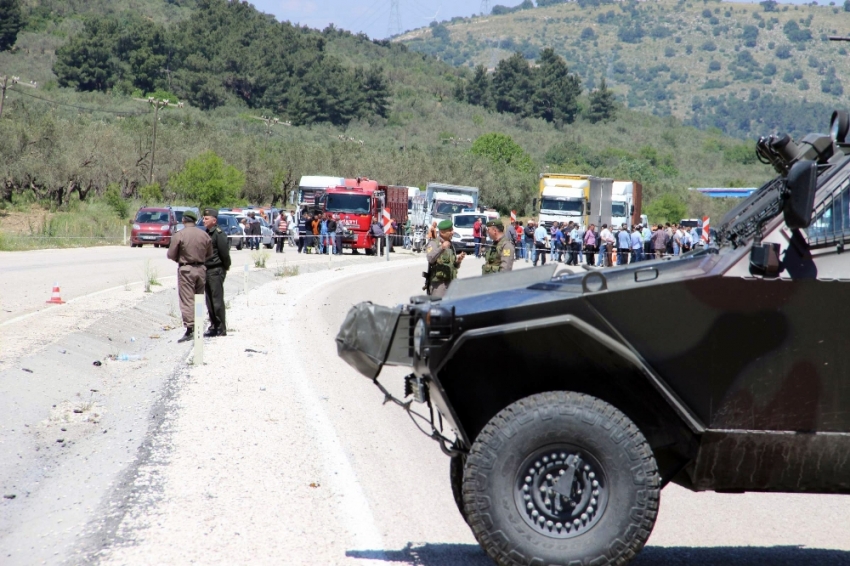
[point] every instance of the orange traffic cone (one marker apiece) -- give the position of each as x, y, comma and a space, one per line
55, 298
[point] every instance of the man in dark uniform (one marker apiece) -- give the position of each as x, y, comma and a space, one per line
499, 256
190, 248
443, 263
217, 265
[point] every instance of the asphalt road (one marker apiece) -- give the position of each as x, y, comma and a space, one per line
277, 452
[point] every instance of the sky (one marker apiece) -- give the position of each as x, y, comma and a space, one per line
373, 16
370, 16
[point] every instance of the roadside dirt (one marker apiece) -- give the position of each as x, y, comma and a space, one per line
31, 222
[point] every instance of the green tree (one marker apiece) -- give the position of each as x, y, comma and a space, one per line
11, 23
116, 201
513, 85
556, 94
750, 35
376, 92
602, 106
209, 181
501, 148
667, 208
478, 90
86, 62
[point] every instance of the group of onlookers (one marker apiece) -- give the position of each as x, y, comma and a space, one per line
572, 244
319, 233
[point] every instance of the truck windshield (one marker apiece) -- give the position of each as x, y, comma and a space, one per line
618, 209
559, 205
449, 208
358, 204
465, 221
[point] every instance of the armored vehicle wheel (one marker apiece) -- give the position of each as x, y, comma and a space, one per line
456, 478
561, 478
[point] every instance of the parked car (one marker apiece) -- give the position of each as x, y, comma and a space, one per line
230, 226
153, 226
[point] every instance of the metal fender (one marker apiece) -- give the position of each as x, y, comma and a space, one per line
487, 369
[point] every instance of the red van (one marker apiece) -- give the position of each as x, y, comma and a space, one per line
153, 226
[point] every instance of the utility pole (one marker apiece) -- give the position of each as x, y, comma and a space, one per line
157, 104
4, 84
269, 122
485, 7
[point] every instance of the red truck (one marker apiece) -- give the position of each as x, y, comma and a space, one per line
358, 203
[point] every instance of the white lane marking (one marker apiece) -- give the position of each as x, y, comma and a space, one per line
356, 514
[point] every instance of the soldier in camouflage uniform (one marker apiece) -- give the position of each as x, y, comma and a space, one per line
500, 256
443, 262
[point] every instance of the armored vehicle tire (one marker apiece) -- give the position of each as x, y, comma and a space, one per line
561, 478
456, 478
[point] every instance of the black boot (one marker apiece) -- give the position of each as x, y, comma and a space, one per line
190, 331
211, 331
222, 331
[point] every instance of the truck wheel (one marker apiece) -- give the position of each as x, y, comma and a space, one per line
561, 478
456, 478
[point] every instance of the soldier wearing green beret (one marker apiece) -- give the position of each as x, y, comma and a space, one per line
443, 262
500, 256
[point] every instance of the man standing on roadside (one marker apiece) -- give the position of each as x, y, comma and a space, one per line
254, 229
500, 256
443, 263
541, 234
190, 248
217, 266
637, 244
476, 236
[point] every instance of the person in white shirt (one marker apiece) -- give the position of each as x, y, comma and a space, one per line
606, 247
541, 235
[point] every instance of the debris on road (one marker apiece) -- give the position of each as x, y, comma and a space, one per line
255, 351
9, 496
97, 363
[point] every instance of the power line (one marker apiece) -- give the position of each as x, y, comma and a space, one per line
4, 84
120, 112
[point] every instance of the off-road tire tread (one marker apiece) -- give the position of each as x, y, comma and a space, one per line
456, 479
596, 412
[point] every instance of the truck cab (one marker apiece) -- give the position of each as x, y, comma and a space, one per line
564, 197
356, 204
444, 200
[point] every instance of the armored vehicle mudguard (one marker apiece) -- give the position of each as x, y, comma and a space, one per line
567, 401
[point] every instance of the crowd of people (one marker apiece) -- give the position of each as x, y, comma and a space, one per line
601, 246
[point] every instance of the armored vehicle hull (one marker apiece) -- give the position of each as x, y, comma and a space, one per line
566, 402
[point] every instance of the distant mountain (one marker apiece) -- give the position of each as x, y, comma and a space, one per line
743, 68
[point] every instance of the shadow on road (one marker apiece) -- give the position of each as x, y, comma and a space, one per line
471, 555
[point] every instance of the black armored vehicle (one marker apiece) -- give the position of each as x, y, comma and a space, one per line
566, 403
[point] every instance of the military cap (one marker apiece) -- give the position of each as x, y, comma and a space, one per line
496, 223
445, 225
211, 212
190, 215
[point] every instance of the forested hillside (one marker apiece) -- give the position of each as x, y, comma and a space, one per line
345, 105
746, 69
